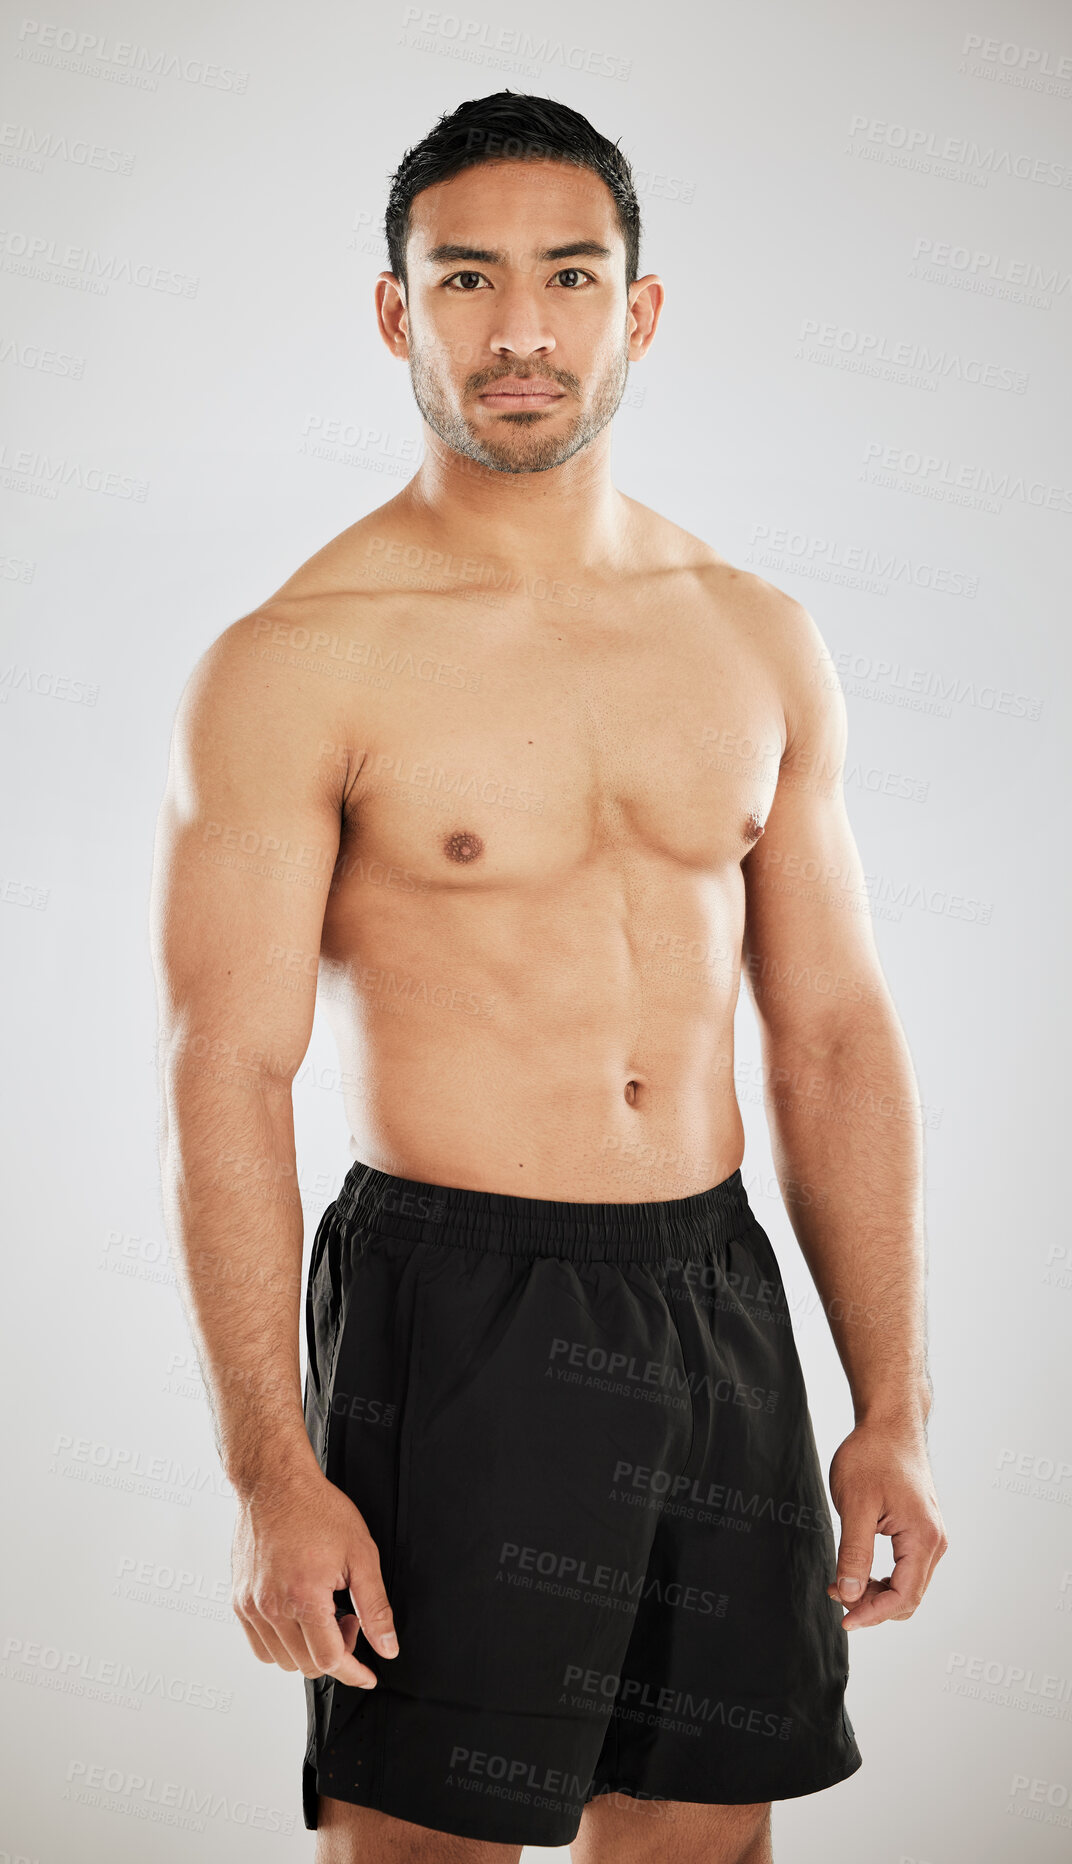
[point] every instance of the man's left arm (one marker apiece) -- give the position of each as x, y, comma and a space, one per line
845, 1121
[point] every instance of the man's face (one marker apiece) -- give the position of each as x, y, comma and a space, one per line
485, 310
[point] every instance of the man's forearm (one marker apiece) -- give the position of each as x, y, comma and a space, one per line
846, 1133
234, 1219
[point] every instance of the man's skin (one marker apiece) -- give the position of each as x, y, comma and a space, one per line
527, 776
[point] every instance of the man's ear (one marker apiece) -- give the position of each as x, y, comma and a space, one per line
392, 313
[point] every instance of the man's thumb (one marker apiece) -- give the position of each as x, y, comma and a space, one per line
855, 1555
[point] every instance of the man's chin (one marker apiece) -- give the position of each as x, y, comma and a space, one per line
515, 459
519, 450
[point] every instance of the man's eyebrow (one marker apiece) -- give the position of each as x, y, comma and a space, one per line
479, 255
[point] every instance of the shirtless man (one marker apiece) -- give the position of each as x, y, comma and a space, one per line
526, 776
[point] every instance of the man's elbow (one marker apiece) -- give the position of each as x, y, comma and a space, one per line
827, 1023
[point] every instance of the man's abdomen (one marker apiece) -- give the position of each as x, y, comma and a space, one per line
444, 1089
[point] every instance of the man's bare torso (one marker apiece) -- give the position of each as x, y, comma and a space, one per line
531, 947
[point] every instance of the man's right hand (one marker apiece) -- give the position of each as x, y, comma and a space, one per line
293, 1548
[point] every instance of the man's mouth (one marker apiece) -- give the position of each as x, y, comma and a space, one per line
521, 392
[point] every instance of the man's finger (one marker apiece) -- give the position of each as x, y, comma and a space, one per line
262, 1628
880, 1602
370, 1599
286, 1621
330, 1643
896, 1596
860, 1612
308, 1626
856, 1554
913, 1556
941, 1546
256, 1642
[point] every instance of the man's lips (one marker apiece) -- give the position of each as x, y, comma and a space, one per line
514, 391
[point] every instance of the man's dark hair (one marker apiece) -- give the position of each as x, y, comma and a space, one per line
518, 128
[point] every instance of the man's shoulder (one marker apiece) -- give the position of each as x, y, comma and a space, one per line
349, 564
783, 635
773, 627
347, 578
681, 550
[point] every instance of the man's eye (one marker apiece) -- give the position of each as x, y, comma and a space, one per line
472, 279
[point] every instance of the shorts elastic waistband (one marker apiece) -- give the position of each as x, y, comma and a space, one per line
669, 1228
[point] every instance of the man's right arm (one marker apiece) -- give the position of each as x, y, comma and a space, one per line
247, 839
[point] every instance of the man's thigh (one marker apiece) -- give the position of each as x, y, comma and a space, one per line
348, 1834
618, 1829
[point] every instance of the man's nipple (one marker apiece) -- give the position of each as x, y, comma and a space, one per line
463, 846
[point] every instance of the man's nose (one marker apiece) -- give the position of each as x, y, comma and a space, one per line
520, 328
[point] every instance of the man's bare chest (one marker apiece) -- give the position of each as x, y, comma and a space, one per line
495, 753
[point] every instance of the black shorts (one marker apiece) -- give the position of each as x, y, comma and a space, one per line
579, 1436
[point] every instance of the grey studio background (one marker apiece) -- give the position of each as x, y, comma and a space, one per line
860, 389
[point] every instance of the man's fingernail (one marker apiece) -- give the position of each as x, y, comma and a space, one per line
851, 1588
390, 1644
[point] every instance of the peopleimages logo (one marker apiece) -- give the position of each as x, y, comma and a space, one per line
123, 60
36, 256
918, 147
675, 1487
513, 1771
24, 147
638, 1700
1046, 1801
878, 351
629, 1370
1020, 57
937, 475
963, 268
1040, 1689
169, 1802
478, 43
574, 1575
104, 1679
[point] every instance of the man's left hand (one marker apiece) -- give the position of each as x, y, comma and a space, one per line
881, 1483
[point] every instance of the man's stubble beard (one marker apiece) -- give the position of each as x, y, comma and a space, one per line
529, 446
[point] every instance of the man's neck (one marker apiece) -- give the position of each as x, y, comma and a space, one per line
541, 523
